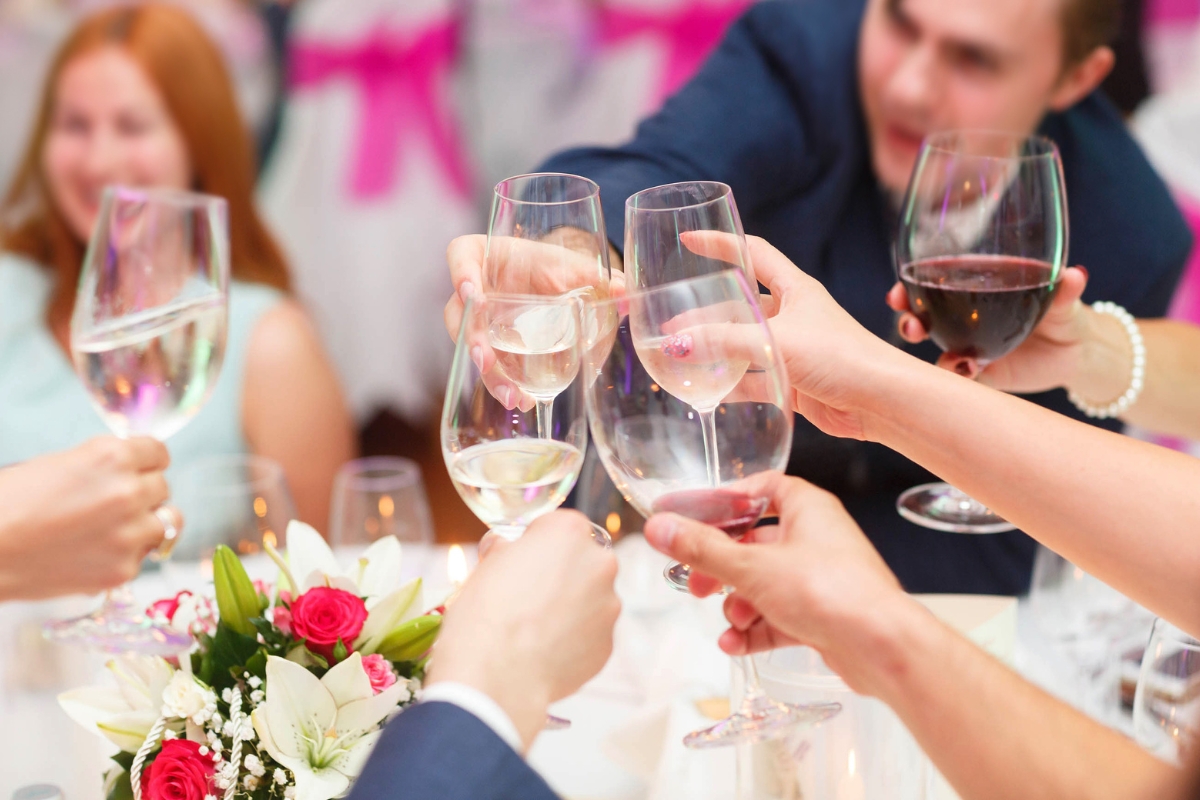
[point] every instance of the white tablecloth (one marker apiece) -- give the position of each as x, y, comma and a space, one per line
665, 658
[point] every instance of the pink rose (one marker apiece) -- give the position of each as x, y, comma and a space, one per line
179, 772
263, 587
379, 671
323, 615
283, 619
166, 607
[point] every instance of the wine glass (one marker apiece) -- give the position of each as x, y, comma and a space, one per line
663, 223
981, 245
546, 238
240, 501
693, 344
376, 497
147, 339
1166, 707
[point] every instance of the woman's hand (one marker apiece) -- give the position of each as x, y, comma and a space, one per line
82, 520
1051, 357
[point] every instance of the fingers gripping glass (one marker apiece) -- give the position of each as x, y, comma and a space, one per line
148, 339
682, 353
981, 244
546, 238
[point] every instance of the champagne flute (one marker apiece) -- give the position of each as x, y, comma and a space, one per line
546, 238
507, 466
147, 339
981, 245
699, 342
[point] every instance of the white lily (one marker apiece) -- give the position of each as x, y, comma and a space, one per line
322, 730
125, 714
312, 563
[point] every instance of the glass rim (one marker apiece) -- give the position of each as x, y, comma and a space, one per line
593, 192
936, 143
1165, 630
402, 473
265, 469
725, 191
737, 276
180, 197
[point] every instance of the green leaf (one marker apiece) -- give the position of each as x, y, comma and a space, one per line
306, 658
122, 789
411, 640
339, 651
230, 653
257, 663
237, 599
124, 760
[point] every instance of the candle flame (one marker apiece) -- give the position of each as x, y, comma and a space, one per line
456, 565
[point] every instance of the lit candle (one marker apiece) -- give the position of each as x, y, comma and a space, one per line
851, 786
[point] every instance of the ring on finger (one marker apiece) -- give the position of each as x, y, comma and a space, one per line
170, 533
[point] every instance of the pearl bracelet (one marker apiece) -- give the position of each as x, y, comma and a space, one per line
1119, 406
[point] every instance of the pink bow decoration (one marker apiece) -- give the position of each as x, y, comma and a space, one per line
399, 76
690, 32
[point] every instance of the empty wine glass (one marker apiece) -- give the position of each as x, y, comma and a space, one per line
376, 497
546, 238
240, 501
700, 343
981, 245
147, 339
1166, 707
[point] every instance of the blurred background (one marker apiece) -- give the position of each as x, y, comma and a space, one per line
381, 126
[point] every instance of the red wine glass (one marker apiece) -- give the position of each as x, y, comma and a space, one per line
982, 242
686, 353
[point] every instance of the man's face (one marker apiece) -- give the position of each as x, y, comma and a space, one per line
932, 65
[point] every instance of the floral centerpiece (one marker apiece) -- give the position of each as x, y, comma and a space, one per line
285, 690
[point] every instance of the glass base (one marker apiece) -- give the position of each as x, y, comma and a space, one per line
119, 627
941, 507
677, 575
759, 720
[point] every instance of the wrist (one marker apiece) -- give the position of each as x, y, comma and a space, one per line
1105, 359
518, 694
904, 634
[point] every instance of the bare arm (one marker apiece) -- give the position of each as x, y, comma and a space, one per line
293, 410
815, 579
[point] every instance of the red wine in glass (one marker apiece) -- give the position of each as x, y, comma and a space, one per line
732, 511
979, 306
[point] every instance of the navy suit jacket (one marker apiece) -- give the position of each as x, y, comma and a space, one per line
438, 751
775, 113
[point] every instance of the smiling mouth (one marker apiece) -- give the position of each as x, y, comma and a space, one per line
903, 139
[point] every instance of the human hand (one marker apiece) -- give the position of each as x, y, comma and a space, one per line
813, 579
1049, 358
82, 520
535, 620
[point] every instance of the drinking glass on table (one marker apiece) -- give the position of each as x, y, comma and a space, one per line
377, 497
686, 352
546, 238
147, 339
240, 501
981, 244
1166, 708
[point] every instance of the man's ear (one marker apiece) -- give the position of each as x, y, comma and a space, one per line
1078, 81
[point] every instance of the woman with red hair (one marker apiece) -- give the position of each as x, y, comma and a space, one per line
140, 96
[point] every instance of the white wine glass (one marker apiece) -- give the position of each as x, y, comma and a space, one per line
1166, 706
505, 464
148, 339
691, 344
376, 497
546, 238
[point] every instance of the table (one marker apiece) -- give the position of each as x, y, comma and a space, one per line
645, 685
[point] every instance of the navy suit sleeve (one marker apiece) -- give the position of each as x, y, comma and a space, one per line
740, 120
438, 751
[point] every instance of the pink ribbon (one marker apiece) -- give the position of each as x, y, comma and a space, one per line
690, 33
399, 76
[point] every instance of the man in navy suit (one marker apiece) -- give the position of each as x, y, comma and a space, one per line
813, 111
531, 626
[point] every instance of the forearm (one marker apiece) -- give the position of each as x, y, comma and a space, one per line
1086, 493
994, 735
1170, 399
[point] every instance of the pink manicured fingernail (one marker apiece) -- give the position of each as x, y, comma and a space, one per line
678, 345
505, 395
466, 290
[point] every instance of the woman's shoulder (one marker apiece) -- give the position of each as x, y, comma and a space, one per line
25, 288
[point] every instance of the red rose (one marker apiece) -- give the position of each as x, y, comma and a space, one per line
179, 773
323, 615
167, 606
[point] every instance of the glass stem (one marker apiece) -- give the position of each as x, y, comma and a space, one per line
708, 423
118, 597
545, 418
752, 691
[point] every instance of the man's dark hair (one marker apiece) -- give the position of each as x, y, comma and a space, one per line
1088, 24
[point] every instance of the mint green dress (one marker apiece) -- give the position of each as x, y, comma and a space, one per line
43, 406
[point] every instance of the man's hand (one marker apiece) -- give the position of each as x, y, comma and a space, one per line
813, 579
1049, 358
535, 620
82, 520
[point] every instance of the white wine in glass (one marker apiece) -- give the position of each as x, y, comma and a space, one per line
148, 339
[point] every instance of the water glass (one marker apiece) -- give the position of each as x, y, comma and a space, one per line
377, 497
